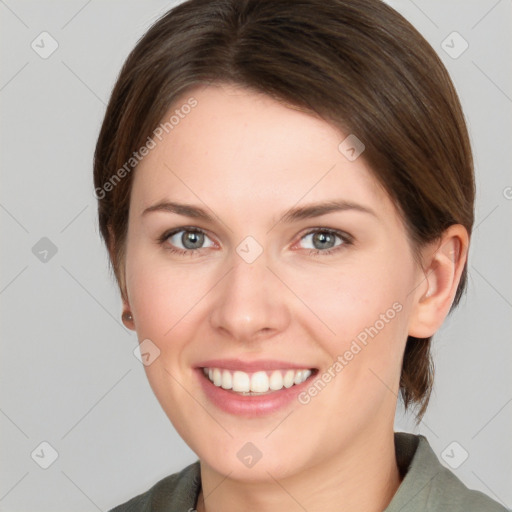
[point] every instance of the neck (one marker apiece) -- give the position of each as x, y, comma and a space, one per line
364, 477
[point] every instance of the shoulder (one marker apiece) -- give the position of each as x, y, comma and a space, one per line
449, 493
428, 486
174, 492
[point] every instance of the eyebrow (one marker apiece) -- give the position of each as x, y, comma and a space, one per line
292, 215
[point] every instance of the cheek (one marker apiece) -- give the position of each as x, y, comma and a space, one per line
160, 294
363, 366
351, 299
162, 300
360, 317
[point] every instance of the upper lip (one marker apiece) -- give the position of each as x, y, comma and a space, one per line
251, 366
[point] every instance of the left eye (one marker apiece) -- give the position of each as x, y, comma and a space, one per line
322, 240
189, 239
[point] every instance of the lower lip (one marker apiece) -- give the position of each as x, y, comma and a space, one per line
250, 405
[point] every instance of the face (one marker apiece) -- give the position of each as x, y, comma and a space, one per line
257, 250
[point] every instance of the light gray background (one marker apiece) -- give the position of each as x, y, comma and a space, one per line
69, 376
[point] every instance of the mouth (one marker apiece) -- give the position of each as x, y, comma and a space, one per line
253, 388
259, 382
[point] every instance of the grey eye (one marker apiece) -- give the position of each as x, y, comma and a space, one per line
188, 239
322, 240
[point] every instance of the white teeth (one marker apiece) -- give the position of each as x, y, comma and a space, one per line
257, 382
289, 379
217, 377
227, 380
276, 380
241, 381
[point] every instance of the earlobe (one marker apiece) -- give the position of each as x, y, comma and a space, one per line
443, 265
127, 315
127, 318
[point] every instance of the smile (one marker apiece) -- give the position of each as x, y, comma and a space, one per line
258, 382
254, 388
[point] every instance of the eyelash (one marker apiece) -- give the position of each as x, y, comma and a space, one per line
347, 240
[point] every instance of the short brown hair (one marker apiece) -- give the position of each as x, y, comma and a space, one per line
358, 64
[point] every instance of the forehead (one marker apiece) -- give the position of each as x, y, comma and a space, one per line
242, 148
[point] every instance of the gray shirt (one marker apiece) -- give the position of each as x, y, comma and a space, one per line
426, 487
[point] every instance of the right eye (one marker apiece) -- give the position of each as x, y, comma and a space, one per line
185, 240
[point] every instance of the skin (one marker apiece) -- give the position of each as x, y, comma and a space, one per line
247, 158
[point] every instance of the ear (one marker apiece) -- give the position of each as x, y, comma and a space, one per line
127, 315
443, 263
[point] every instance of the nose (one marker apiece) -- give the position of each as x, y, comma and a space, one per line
250, 303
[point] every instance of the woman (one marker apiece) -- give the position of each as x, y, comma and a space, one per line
286, 192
